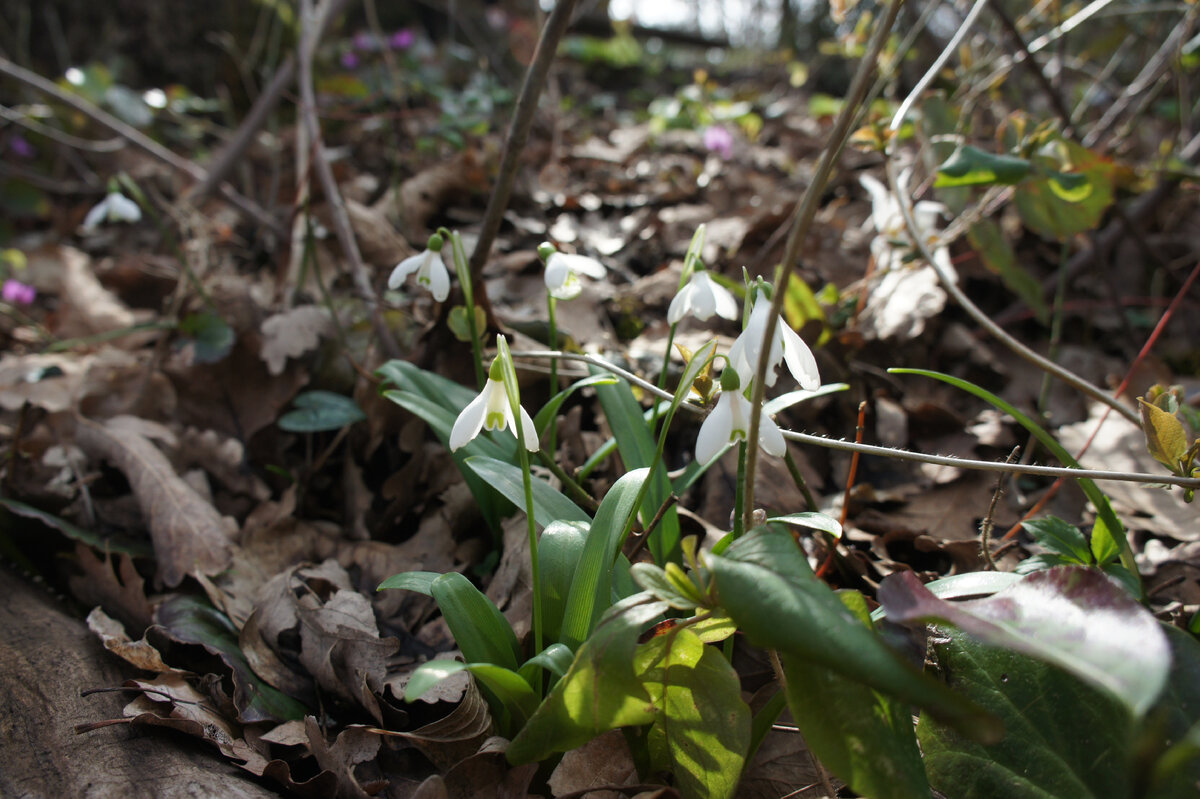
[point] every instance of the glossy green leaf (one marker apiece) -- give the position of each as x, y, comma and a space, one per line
556, 659
482, 633
548, 504
768, 588
1108, 532
1071, 616
1058, 536
591, 587
1176, 772
317, 411
600, 692
999, 257
559, 549
192, 620
861, 735
702, 730
421, 582
970, 166
813, 521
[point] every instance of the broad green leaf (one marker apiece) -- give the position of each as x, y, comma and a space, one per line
409, 377
652, 578
559, 549
1108, 530
101, 543
813, 521
317, 411
421, 582
212, 336
864, 737
1069, 186
591, 586
716, 628
1166, 439
1057, 206
1071, 616
998, 256
555, 659
1177, 771
482, 633
458, 323
550, 409
768, 588
600, 692
191, 620
970, 166
1058, 536
548, 504
702, 730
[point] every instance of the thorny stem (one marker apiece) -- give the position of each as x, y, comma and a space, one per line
887, 452
802, 221
518, 134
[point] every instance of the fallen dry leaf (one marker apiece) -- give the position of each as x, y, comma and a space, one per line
189, 535
140, 653
602, 761
352, 746
123, 593
292, 333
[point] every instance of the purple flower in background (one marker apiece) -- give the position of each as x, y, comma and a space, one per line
21, 146
349, 60
718, 140
401, 39
18, 293
364, 42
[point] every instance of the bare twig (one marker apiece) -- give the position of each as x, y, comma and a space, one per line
312, 22
518, 134
985, 527
136, 138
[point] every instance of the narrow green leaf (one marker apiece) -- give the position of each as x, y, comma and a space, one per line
970, 166
813, 521
702, 730
768, 588
101, 543
550, 409
1058, 536
600, 692
548, 504
421, 582
653, 579
317, 411
482, 633
999, 257
555, 659
1071, 616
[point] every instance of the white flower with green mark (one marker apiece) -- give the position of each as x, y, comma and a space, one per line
563, 271
730, 422
491, 410
115, 207
430, 268
786, 346
702, 297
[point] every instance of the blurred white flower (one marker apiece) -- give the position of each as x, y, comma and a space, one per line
491, 411
431, 273
892, 245
563, 271
702, 297
729, 422
785, 346
115, 207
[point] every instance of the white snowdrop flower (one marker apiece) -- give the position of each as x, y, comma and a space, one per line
786, 346
730, 421
491, 410
563, 271
430, 268
115, 207
702, 297
892, 245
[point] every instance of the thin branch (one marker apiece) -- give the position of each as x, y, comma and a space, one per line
136, 138
514, 145
883, 452
312, 22
66, 139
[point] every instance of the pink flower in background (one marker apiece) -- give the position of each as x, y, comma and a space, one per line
18, 293
401, 39
718, 140
349, 60
21, 146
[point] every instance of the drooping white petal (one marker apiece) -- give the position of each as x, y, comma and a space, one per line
558, 270
715, 430
703, 301
582, 265
469, 421
563, 270
122, 209
529, 431
770, 438
437, 277
680, 305
799, 358
726, 305
95, 216
411, 264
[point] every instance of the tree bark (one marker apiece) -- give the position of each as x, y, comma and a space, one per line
46, 658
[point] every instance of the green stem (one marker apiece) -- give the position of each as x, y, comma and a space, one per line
552, 432
800, 482
741, 517
459, 253
534, 564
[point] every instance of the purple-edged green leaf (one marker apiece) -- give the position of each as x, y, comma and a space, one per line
1071, 616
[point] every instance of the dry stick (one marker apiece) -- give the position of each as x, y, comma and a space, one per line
310, 27
850, 476
514, 144
1039, 76
801, 222
985, 527
884, 452
136, 138
1150, 341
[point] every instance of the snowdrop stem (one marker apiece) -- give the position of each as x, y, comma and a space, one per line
463, 271
802, 221
740, 517
552, 433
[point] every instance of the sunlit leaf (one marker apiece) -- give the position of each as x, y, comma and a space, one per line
970, 166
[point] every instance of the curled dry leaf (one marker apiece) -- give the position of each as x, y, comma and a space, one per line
602, 761
90, 308
189, 535
122, 593
353, 745
292, 333
140, 653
